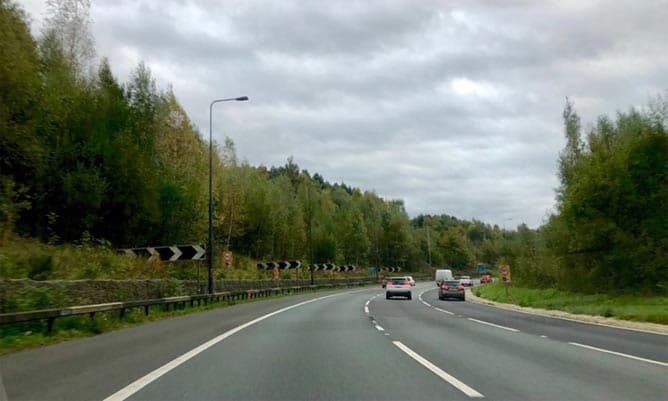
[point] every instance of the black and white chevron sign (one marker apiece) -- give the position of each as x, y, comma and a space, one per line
331, 267
390, 269
291, 264
170, 253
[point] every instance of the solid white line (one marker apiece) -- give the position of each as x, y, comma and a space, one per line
426, 303
444, 311
142, 382
379, 328
637, 358
438, 371
493, 325
366, 310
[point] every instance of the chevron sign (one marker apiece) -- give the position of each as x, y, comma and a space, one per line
292, 264
169, 253
331, 267
390, 269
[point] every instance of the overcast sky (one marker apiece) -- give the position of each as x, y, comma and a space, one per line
453, 106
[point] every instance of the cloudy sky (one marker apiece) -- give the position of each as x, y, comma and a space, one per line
453, 106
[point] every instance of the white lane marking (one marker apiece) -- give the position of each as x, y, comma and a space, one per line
425, 303
379, 328
493, 325
366, 310
438, 371
543, 336
444, 311
142, 382
637, 358
367, 302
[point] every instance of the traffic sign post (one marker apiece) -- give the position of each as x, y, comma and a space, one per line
504, 273
481, 267
228, 258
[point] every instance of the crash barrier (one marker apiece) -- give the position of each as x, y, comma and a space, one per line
50, 315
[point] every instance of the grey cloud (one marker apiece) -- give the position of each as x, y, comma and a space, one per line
453, 106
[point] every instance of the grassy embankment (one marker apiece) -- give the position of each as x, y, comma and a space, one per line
634, 307
27, 258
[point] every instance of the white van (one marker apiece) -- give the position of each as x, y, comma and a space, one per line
443, 274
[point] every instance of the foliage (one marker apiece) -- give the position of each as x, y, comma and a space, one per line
92, 164
628, 306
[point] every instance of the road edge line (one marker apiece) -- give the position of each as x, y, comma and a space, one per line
637, 358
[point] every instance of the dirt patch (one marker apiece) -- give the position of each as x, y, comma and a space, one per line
608, 321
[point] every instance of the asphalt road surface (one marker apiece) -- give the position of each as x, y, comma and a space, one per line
349, 345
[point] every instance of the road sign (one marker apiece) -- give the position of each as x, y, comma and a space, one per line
291, 264
504, 273
227, 259
371, 269
481, 267
169, 253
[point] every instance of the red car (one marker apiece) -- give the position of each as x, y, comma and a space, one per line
485, 278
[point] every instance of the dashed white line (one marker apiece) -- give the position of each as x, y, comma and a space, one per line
366, 310
637, 358
438, 371
493, 325
379, 328
543, 336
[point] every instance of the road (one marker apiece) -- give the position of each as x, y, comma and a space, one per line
349, 345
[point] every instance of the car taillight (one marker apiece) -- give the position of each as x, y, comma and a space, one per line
460, 287
407, 282
445, 287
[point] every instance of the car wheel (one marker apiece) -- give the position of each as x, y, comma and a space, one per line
409, 297
387, 296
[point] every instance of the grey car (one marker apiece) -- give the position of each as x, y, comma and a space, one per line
451, 289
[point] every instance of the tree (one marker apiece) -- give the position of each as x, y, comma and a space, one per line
69, 23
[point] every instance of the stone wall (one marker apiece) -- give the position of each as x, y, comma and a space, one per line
25, 294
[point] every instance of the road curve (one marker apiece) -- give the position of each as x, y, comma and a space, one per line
348, 345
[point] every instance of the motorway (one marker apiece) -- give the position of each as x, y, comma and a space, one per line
348, 345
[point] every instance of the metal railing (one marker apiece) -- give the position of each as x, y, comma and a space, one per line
50, 315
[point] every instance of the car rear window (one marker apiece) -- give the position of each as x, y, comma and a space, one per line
452, 283
399, 280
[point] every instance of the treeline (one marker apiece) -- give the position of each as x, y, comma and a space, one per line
86, 159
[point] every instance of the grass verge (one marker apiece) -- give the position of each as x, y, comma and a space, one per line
653, 309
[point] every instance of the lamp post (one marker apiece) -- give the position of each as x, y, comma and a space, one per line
209, 248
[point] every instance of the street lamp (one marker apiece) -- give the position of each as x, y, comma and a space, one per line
209, 248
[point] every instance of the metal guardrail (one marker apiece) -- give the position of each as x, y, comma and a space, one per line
50, 315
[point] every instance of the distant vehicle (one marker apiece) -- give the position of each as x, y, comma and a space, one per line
485, 278
451, 289
466, 281
398, 286
410, 278
443, 274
